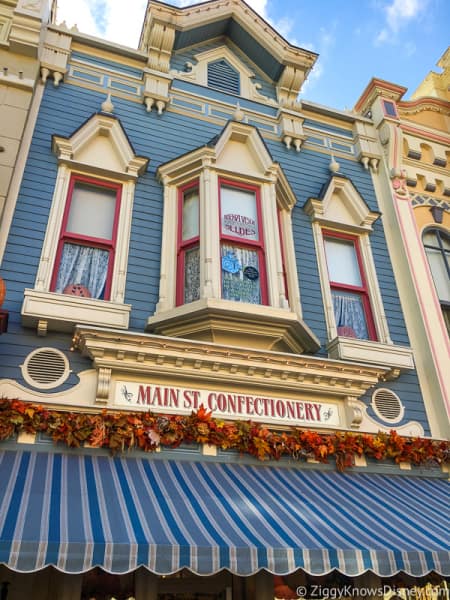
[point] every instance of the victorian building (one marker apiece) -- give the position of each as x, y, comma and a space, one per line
207, 350
414, 196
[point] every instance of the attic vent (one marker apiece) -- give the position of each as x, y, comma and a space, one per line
222, 76
45, 368
387, 405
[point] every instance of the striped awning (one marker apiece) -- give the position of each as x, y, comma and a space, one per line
76, 511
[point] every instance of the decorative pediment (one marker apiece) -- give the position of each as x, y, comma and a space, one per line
168, 28
100, 145
341, 204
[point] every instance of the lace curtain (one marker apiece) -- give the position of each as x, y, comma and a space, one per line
192, 275
84, 266
238, 285
349, 315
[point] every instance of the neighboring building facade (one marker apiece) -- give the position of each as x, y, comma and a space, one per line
415, 197
187, 238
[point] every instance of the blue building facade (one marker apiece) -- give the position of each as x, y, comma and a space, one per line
188, 236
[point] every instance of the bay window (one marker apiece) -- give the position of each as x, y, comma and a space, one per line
228, 255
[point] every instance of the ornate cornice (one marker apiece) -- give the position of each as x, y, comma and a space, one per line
151, 355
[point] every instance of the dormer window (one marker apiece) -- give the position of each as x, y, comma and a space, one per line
222, 76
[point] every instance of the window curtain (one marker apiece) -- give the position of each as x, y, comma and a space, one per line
349, 315
82, 265
192, 275
236, 284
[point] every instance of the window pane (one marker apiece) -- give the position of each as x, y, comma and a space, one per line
82, 271
240, 274
342, 262
190, 215
238, 213
439, 271
191, 275
349, 315
92, 211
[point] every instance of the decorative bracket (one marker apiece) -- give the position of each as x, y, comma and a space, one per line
353, 412
292, 130
103, 383
156, 90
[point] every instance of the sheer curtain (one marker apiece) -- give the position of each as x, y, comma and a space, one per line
349, 315
84, 266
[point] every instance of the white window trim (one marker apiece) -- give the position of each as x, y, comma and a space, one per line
207, 165
353, 217
117, 163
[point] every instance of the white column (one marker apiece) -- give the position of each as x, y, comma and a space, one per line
209, 234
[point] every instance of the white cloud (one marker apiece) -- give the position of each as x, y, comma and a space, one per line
401, 11
398, 14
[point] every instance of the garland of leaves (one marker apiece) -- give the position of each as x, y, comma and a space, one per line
120, 431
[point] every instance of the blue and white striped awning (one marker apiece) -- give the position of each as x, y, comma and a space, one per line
77, 511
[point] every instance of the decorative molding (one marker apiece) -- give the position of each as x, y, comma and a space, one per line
156, 40
198, 72
79, 150
300, 374
159, 45
61, 312
397, 358
354, 412
341, 204
156, 90
103, 385
292, 133
55, 55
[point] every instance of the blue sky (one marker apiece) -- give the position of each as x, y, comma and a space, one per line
396, 40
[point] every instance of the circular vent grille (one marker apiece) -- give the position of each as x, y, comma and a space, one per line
45, 368
387, 406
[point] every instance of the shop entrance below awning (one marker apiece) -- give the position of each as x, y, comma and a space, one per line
78, 511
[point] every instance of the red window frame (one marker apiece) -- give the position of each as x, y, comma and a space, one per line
363, 290
184, 245
82, 240
258, 245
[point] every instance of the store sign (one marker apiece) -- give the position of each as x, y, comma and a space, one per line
226, 405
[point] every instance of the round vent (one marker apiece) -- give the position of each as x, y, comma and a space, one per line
387, 406
45, 368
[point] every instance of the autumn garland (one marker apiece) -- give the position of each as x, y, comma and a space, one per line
119, 431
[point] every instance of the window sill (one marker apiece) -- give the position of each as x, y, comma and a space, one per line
375, 353
60, 312
237, 324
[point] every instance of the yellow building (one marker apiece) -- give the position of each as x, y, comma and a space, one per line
414, 195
